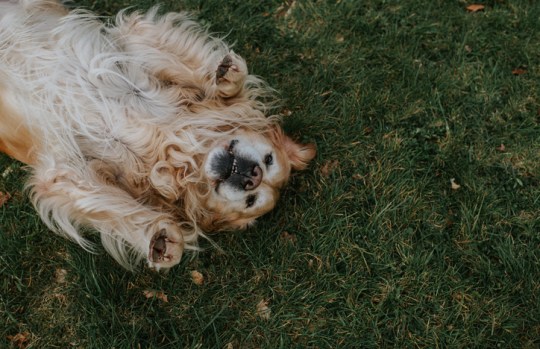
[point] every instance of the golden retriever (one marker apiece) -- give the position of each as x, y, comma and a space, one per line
144, 128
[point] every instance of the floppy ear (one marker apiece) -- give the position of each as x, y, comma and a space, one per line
299, 154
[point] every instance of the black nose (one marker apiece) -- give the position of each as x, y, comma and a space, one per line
253, 181
246, 175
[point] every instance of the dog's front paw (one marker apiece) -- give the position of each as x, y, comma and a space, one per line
230, 75
166, 246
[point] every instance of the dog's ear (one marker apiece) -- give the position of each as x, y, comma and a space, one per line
299, 154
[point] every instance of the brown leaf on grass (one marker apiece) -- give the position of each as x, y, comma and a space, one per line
19, 339
475, 8
287, 237
501, 148
60, 275
325, 93
316, 262
453, 184
519, 71
263, 311
286, 112
7, 171
285, 9
358, 177
329, 167
4, 197
157, 294
197, 277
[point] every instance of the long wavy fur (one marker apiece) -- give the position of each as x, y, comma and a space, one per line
135, 92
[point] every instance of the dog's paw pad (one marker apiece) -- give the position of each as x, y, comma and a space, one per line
166, 249
224, 66
230, 75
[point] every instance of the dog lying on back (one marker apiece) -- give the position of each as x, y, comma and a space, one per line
146, 129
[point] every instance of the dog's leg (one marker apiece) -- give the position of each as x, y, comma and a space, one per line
67, 198
180, 53
231, 75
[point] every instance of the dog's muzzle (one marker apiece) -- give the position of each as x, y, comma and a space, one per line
237, 170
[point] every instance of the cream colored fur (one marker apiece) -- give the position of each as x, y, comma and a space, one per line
122, 114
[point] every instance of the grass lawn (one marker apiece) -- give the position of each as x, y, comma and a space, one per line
372, 246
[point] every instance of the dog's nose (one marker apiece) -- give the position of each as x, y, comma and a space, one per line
253, 181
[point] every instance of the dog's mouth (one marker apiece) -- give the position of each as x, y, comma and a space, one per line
225, 163
232, 167
234, 163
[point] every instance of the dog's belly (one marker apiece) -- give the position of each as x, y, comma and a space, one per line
16, 140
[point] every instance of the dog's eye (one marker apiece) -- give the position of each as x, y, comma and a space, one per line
250, 201
268, 159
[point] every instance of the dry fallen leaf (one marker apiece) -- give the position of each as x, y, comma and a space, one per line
157, 294
316, 262
262, 310
388, 135
4, 197
286, 112
19, 339
325, 93
475, 7
519, 71
285, 9
60, 275
501, 148
7, 171
329, 167
453, 184
287, 237
197, 277
358, 177
368, 130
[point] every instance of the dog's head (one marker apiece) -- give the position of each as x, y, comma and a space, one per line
246, 172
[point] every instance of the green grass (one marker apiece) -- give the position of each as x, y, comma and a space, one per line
400, 97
